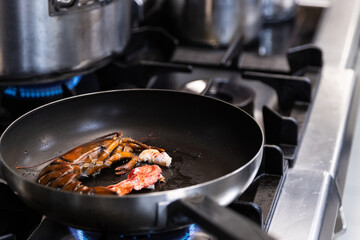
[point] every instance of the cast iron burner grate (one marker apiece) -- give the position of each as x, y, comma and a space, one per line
17, 220
173, 65
239, 95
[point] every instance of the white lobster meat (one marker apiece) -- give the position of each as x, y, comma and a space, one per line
155, 156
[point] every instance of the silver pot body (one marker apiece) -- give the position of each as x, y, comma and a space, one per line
38, 38
215, 22
278, 10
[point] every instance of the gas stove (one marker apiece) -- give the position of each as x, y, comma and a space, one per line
292, 80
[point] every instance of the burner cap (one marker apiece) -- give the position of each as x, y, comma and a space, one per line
232, 92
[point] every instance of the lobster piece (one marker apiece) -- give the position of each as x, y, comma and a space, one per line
138, 178
147, 155
89, 159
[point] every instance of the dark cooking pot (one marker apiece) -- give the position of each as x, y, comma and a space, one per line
214, 22
48, 37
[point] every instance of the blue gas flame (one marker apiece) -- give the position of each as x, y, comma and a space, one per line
84, 235
42, 91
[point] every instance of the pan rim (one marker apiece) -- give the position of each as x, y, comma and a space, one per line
172, 192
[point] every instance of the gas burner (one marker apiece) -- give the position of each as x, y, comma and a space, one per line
42, 90
51, 229
193, 231
229, 91
19, 99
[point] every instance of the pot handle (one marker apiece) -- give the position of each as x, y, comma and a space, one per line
215, 219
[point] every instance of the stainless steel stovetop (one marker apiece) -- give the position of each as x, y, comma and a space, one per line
310, 203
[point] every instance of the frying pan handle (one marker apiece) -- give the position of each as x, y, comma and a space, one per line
215, 219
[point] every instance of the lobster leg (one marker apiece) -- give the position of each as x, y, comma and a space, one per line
63, 181
103, 156
118, 154
127, 167
141, 145
106, 152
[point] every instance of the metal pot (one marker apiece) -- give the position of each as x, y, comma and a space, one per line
214, 22
144, 10
278, 10
44, 38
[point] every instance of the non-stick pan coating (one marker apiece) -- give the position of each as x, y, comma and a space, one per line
206, 138
203, 143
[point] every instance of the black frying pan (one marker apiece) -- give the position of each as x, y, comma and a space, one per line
216, 150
